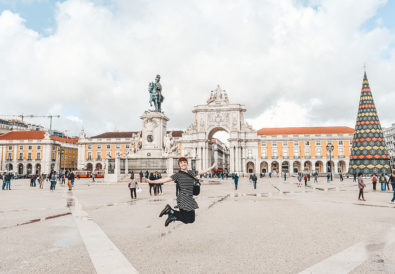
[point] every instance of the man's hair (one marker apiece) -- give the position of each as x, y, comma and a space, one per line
182, 159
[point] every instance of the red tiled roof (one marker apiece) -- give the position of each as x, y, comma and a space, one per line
65, 139
34, 135
23, 135
116, 134
304, 130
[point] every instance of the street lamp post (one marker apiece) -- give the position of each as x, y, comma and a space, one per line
330, 148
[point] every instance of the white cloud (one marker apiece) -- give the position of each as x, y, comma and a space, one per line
283, 114
294, 63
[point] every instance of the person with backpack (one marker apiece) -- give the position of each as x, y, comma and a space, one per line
374, 181
254, 179
187, 180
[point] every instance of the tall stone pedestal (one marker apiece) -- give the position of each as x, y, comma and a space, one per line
153, 134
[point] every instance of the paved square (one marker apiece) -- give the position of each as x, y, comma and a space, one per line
277, 228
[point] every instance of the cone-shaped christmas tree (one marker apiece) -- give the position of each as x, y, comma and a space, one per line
369, 152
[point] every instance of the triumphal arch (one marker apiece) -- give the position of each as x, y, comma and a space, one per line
219, 115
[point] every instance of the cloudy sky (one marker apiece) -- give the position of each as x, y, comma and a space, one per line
290, 62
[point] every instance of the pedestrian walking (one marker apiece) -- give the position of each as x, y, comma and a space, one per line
141, 176
52, 179
70, 180
132, 187
41, 180
387, 181
254, 179
328, 177
4, 181
152, 186
63, 179
382, 182
374, 181
285, 176
305, 180
236, 180
355, 177
341, 177
187, 179
392, 180
361, 186
8, 181
316, 177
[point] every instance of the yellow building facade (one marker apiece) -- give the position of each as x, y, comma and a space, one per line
304, 149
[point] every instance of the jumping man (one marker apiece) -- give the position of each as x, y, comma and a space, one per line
185, 201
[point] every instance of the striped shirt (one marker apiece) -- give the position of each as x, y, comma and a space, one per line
185, 199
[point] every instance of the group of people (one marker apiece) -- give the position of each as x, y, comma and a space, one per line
384, 180
6, 177
53, 177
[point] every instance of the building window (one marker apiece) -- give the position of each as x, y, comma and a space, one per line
307, 143
10, 148
99, 156
30, 147
318, 149
29, 156
318, 143
99, 147
38, 156
53, 155
274, 150
9, 156
296, 149
38, 147
118, 146
127, 146
20, 147
89, 146
329, 142
341, 152
108, 146
89, 155
341, 143
263, 150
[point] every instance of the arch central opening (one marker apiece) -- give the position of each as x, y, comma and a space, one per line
218, 139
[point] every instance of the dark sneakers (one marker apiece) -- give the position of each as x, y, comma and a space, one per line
167, 210
170, 219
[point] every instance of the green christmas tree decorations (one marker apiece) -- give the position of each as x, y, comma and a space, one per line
369, 152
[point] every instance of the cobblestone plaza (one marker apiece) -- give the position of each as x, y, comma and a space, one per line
277, 228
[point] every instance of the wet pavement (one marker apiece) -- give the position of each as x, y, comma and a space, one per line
277, 228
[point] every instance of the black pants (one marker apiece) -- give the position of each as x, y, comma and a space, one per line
187, 217
361, 194
374, 185
150, 188
133, 190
